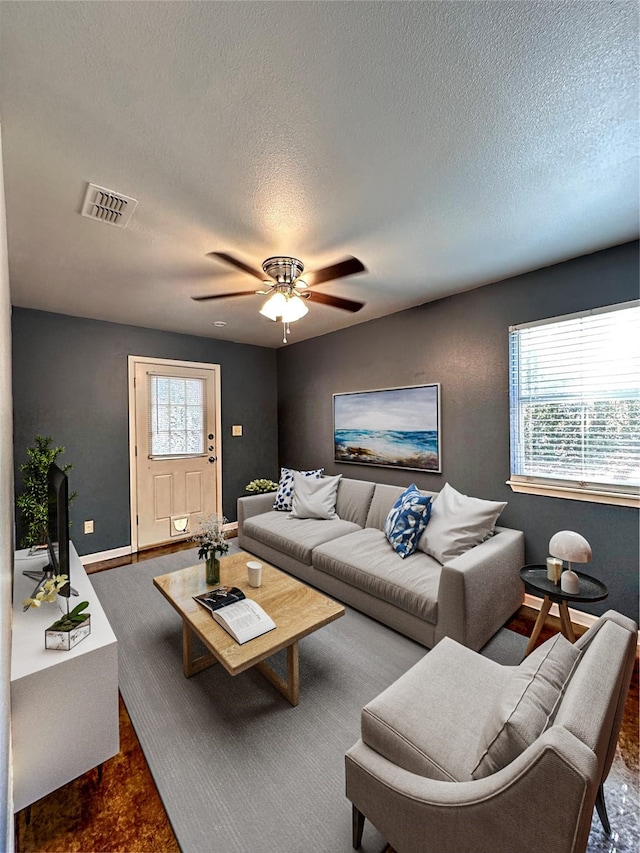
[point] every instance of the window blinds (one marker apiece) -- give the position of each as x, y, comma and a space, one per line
575, 399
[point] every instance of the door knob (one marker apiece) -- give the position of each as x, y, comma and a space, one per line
212, 458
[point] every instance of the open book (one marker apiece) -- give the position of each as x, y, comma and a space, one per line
243, 618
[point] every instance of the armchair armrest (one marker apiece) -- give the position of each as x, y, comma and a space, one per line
481, 589
541, 801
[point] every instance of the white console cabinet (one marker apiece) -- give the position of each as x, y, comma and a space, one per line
64, 704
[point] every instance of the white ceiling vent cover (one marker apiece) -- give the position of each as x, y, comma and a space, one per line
108, 206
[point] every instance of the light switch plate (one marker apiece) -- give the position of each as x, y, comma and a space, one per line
236, 429
88, 527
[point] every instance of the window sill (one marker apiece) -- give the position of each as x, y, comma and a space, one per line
572, 494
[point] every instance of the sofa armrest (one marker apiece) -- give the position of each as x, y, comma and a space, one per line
254, 505
542, 800
481, 589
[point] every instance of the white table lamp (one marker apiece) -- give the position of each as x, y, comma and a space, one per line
574, 548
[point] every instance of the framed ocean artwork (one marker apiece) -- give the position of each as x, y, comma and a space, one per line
396, 427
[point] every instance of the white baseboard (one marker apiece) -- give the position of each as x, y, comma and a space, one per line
578, 617
231, 528
106, 555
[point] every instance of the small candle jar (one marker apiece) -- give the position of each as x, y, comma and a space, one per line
554, 569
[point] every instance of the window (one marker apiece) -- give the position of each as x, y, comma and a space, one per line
575, 405
176, 416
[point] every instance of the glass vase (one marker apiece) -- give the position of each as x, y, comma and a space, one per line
213, 570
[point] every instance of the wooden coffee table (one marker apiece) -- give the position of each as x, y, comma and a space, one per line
297, 610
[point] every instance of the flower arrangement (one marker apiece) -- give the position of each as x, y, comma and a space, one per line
47, 592
211, 537
261, 486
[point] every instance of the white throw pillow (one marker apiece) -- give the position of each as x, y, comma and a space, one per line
284, 495
527, 705
314, 498
457, 524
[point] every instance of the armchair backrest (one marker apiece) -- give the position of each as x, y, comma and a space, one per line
593, 703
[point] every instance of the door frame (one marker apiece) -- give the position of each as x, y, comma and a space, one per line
132, 360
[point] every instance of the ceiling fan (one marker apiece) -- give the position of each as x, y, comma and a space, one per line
287, 290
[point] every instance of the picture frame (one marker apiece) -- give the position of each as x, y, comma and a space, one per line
390, 427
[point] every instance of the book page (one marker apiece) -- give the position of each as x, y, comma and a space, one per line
244, 620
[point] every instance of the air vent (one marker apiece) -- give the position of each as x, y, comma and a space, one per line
108, 206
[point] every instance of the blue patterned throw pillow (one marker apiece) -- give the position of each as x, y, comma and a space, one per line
407, 519
284, 495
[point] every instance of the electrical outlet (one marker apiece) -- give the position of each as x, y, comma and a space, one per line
236, 429
88, 527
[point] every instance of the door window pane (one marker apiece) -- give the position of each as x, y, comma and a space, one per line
176, 416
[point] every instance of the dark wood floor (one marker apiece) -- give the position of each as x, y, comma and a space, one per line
123, 812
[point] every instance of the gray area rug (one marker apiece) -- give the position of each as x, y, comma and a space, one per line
239, 770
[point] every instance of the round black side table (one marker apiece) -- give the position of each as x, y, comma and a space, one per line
536, 582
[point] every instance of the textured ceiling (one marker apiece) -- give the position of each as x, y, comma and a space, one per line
445, 144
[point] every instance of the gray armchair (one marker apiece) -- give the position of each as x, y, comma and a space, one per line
422, 771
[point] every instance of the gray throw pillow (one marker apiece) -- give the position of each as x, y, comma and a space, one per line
457, 524
314, 498
527, 705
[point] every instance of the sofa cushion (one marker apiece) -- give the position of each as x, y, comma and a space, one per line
406, 521
284, 495
354, 499
296, 537
383, 499
457, 524
452, 689
365, 560
526, 706
314, 498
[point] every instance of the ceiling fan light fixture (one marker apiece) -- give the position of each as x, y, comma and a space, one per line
284, 307
274, 306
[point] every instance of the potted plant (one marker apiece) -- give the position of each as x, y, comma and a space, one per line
261, 486
72, 627
32, 501
211, 537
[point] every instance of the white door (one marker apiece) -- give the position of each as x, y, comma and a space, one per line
175, 448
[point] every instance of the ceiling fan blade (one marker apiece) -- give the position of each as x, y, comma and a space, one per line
225, 295
335, 301
235, 262
349, 266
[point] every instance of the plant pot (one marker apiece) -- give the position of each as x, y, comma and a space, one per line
66, 640
213, 571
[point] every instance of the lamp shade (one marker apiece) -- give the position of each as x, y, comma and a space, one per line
294, 309
570, 546
284, 307
274, 306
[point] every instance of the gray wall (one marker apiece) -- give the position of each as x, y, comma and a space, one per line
462, 342
70, 382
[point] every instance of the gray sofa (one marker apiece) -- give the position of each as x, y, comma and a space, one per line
468, 598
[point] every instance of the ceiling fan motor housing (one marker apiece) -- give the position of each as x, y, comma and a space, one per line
284, 270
